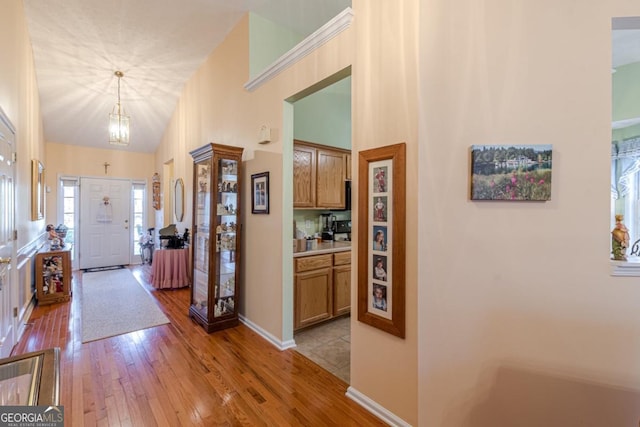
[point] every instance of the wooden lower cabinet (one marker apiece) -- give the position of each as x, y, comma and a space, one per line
322, 288
312, 297
341, 290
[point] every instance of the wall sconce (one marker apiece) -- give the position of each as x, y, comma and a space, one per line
265, 135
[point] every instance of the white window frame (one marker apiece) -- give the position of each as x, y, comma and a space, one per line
135, 247
62, 179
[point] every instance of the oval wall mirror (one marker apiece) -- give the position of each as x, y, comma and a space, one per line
179, 199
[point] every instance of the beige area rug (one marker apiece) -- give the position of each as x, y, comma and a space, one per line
114, 303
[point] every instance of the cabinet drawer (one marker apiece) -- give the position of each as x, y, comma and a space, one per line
342, 258
315, 262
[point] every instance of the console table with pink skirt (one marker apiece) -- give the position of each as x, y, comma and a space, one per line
170, 269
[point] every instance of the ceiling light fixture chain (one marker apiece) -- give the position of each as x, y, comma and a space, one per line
118, 120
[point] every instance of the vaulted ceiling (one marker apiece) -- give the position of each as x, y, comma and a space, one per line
157, 44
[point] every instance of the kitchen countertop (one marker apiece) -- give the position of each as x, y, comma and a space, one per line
325, 248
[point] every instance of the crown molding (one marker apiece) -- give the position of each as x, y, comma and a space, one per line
322, 35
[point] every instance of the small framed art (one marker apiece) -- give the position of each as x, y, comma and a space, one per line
511, 172
260, 193
381, 247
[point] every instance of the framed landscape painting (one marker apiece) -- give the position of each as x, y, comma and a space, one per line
511, 172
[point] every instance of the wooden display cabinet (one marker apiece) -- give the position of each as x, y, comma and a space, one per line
217, 178
53, 275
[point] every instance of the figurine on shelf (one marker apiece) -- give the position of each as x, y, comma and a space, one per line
55, 240
619, 240
52, 232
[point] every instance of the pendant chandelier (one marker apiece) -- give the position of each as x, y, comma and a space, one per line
118, 121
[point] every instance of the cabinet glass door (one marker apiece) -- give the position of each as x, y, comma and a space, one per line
226, 228
52, 274
201, 238
216, 239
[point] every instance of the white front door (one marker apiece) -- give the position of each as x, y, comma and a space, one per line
104, 222
7, 243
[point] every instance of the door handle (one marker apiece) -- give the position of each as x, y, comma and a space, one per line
5, 260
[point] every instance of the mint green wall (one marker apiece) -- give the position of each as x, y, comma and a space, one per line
325, 116
628, 132
626, 92
267, 42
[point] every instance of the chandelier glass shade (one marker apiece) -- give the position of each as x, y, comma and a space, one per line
118, 121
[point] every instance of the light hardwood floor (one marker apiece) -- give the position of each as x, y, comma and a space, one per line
178, 375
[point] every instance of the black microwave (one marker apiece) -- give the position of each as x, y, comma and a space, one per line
347, 195
347, 198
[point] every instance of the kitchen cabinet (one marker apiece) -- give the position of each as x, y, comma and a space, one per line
341, 283
216, 249
53, 275
312, 297
322, 288
319, 173
304, 176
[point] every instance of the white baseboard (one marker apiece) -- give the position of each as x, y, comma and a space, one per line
377, 410
25, 320
279, 344
362, 400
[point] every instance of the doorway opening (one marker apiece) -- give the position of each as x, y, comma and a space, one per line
320, 115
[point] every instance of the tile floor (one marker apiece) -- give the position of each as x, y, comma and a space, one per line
329, 345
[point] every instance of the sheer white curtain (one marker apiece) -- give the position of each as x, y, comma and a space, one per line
625, 184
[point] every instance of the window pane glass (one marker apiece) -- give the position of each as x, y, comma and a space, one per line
138, 192
68, 205
68, 220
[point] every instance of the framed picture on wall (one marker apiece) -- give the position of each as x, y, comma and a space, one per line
511, 172
37, 190
260, 193
381, 248
156, 191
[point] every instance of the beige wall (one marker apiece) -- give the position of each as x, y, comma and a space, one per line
214, 107
385, 112
64, 159
261, 259
20, 101
520, 322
